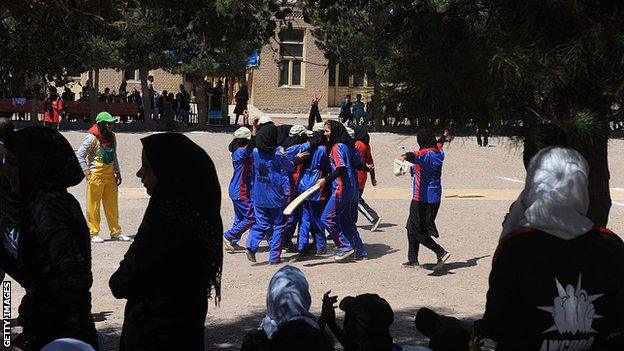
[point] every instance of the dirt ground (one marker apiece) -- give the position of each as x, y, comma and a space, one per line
469, 230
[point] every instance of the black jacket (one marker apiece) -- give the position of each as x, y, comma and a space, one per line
546, 291
160, 276
54, 249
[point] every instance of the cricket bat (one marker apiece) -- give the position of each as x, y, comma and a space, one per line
299, 199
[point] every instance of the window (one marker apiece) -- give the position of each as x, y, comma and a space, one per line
291, 51
343, 76
131, 74
332, 74
358, 80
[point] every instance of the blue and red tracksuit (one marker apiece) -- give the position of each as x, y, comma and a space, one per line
337, 217
354, 237
293, 177
270, 196
240, 193
312, 208
427, 171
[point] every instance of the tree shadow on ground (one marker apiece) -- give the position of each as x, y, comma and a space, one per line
450, 267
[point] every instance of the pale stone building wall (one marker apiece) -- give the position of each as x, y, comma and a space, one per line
268, 96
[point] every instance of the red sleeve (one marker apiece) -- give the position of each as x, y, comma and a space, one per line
369, 156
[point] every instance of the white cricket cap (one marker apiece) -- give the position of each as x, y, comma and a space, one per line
297, 130
242, 133
318, 127
265, 120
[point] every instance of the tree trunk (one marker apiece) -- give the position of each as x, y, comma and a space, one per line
92, 96
147, 98
594, 149
200, 99
377, 108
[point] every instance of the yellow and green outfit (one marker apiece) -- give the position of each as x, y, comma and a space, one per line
99, 155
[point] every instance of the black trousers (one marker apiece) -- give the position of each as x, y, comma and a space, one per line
485, 135
421, 229
366, 210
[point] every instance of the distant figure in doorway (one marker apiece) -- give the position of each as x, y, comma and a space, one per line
346, 116
241, 97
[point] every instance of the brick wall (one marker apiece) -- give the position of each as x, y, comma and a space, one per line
268, 96
112, 78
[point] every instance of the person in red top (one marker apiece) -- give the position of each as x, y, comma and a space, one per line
362, 145
53, 105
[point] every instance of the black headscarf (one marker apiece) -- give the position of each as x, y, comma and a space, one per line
368, 318
46, 161
361, 134
186, 175
266, 138
236, 143
426, 139
282, 133
338, 134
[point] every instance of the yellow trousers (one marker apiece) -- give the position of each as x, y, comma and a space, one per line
104, 190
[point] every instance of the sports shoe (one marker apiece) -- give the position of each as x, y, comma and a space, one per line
376, 224
120, 237
409, 264
343, 255
228, 246
251, 256
97, 239
441, 260
238, 247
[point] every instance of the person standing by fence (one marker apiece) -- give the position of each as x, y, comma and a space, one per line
53, 106
98, 158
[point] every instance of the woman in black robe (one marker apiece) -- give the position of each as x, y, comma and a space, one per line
54, 250
175, 260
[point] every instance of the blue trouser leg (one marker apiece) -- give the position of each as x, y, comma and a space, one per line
333, 218
316, 225
305, 226
243, 220
290, 227
350, 228
278, 222
262, 226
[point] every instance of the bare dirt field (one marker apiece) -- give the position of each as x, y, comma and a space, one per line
469, 229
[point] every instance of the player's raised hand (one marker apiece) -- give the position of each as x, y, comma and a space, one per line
328, 313
321, 183
303, 155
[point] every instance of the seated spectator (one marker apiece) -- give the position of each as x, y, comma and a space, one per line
288, 324
557, 278
54, 260
444, 333
367, 322
106, 96
180, 237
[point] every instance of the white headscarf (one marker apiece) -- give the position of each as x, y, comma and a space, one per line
555, 198
288, 299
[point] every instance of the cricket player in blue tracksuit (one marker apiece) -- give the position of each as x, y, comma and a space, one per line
294, 144
270, 193
240, 188
312, 209
427, 171
354, 236
337, 218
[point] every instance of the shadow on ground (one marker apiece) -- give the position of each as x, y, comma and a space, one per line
450, 267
